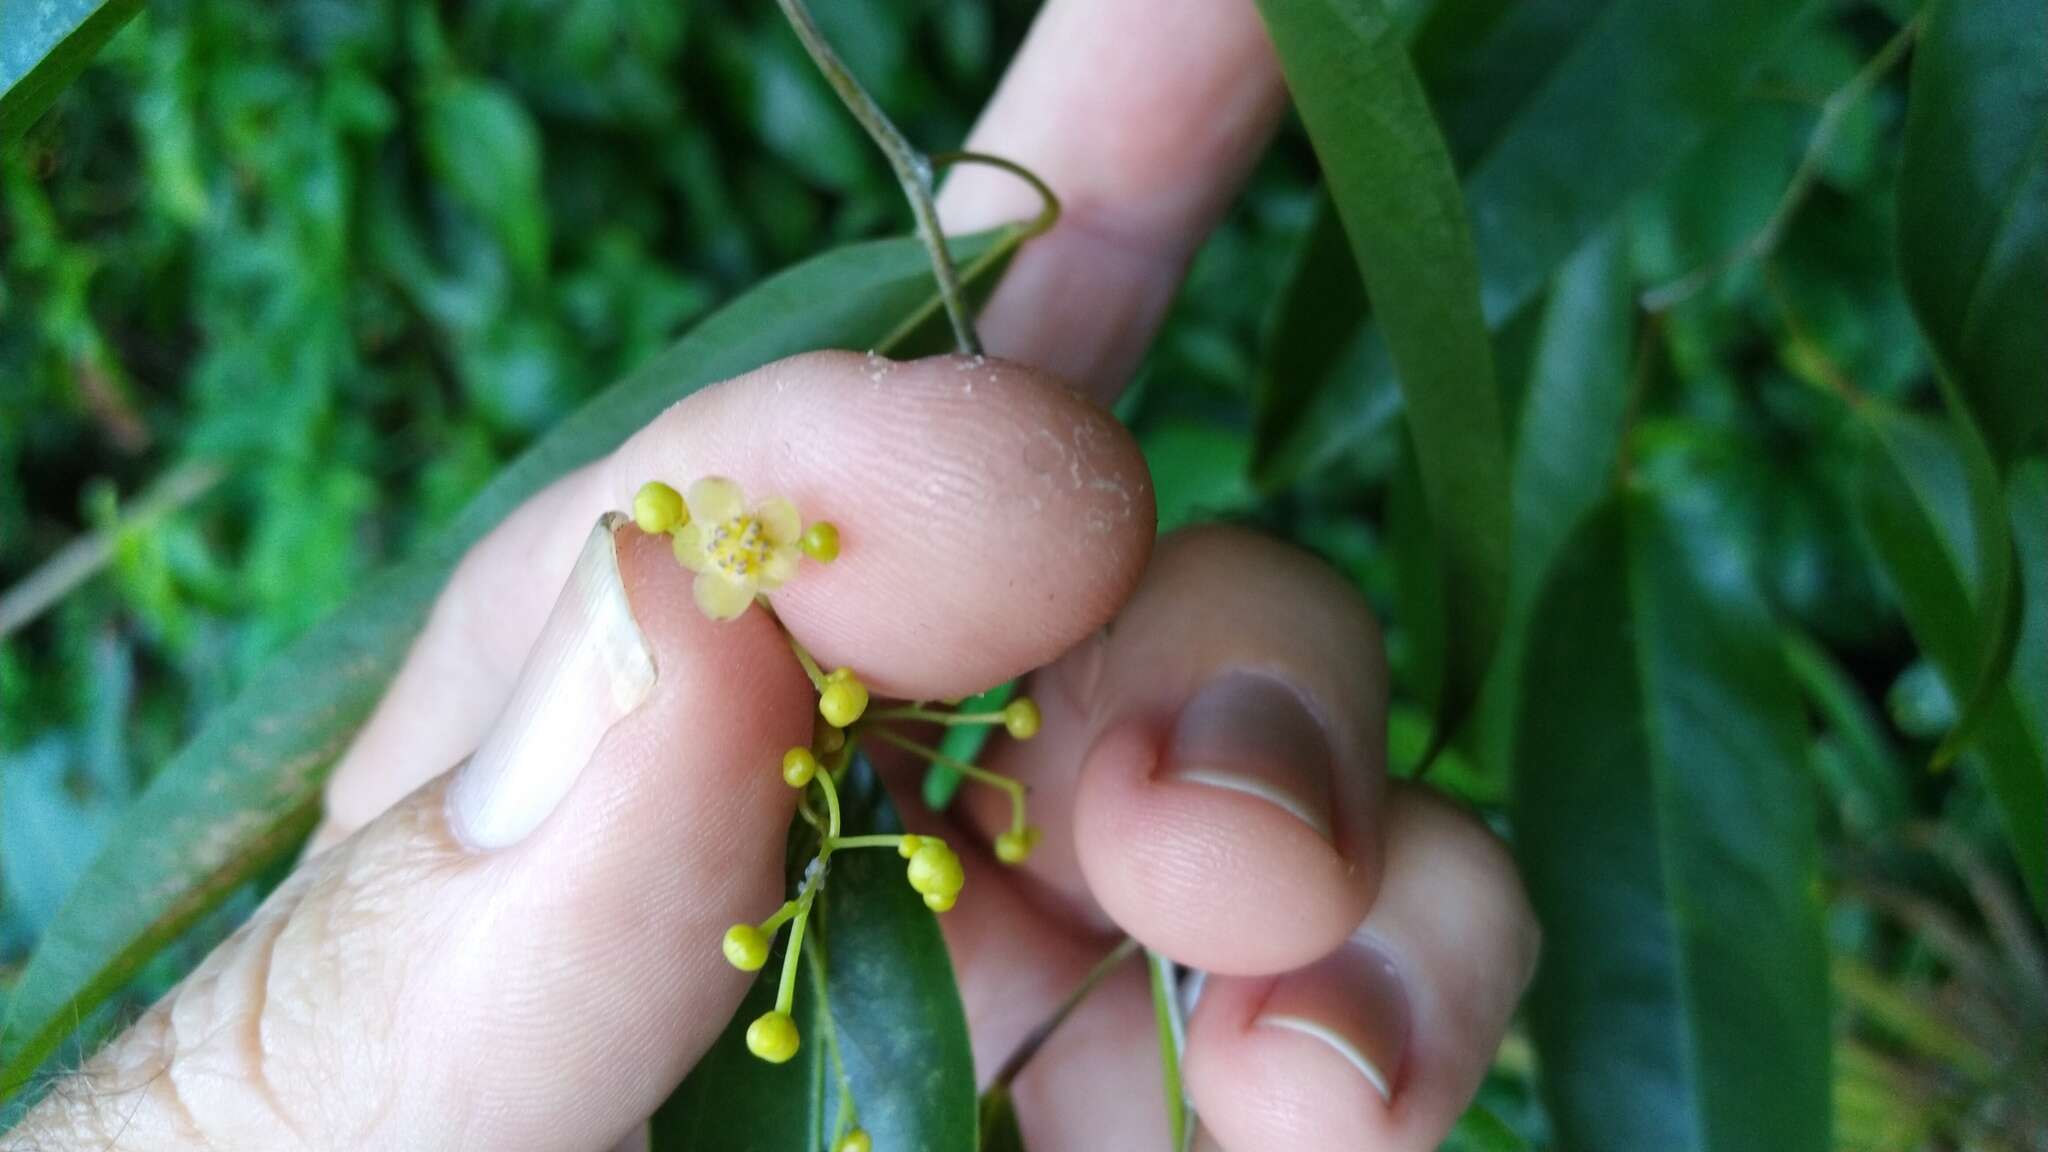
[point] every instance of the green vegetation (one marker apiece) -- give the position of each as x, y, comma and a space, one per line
1714, 560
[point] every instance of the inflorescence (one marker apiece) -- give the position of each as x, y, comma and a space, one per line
740, 554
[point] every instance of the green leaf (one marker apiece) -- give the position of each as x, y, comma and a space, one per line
1390, 176
1858, 764
246, 790
44, 45
486, 151
1617, 91
1666, 826
962, 742
734, 1099
1479, 1130
900, 1031
1973, 209
1567, 441
999, 1130
1931, 508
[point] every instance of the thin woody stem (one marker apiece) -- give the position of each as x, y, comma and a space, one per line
913, 169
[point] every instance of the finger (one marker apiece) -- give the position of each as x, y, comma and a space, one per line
1145, 117
1382, 1044
523, 955
989, 518
1209, 775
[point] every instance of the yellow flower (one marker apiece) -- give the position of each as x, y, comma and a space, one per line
736, 552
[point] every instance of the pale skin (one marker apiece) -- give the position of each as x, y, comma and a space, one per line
1367, 941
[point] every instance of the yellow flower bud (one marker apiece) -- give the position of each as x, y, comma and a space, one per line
658, 508
934, 869
941, 901
1015, 847
843, 700
856, 1141
745, 947
799, 767
821, 542
773, 1037
907, 847
1020, 718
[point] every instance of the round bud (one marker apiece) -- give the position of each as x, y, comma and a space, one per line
843, 700
821, 542
799, 767
658, 508
773, 1037
907, 847
941, 901
1015, 847
934, 868
856, 1141
745, 947
1020, 718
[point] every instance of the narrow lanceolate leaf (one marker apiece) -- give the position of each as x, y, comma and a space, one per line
1390, 176
1932, 511
1973, 209
999, 1129
896, 1018
44, 44
1566, 444
247, 788
1666, 825
1603, 98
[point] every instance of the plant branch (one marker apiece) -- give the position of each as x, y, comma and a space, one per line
1039, 1035
1764, 240
913, 169
80, 560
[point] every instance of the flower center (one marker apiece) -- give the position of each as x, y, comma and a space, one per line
738, 548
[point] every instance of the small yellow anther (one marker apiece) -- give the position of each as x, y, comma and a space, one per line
773, 1037
745, 947
855, 1141
821, 542
799, 767
658, 508
844, 700
1016, 847
1020, 718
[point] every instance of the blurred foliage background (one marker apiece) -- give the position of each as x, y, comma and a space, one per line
282, 285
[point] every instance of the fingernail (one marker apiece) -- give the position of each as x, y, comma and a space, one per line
589, 668
1355, 1002
1251, 733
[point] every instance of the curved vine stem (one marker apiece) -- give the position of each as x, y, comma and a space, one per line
913, 168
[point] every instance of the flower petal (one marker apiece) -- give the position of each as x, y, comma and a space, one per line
714, 500
778, 566
721, 597
779, 520
689, 546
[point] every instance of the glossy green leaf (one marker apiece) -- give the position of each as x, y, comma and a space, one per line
44, 44
1666, 826
734, 1099
1933, 513
1973, 209
1567, 441
999, 1130
1616, 91
898, 1025
1390, 177
1856, 760
246, 790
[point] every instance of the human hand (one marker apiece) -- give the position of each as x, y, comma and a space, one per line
520, 954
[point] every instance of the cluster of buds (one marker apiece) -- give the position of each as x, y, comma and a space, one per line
741, 554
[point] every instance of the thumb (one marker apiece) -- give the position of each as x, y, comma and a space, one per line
524, 954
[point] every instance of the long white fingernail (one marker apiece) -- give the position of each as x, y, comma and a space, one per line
589, 669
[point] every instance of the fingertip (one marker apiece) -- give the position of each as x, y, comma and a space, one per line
989, 517
1216, 879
